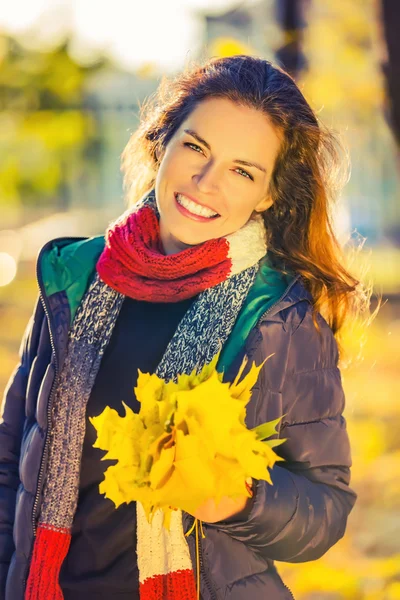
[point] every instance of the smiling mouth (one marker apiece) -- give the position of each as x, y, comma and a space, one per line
194, 208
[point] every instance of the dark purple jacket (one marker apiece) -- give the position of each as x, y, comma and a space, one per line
297, 519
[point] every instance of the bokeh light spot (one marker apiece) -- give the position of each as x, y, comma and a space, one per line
8, 268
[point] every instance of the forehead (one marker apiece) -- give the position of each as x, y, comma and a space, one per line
228, 126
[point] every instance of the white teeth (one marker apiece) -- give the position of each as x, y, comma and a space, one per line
195, 208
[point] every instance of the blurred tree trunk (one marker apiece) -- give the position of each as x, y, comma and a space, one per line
290, 16
390, 23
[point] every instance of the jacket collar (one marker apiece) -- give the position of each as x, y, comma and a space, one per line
66, 265
295, 292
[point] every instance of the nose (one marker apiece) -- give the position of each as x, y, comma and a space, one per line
207, 179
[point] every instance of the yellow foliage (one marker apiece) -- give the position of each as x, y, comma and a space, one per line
188, 443
369, 440
324, 578
393, 592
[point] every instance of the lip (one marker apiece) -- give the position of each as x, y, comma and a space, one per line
191, 215
196, 201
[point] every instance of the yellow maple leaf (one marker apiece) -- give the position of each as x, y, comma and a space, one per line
188, 443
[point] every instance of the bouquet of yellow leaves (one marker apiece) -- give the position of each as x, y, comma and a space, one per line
187, 444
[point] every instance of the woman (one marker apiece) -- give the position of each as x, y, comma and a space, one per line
230, 246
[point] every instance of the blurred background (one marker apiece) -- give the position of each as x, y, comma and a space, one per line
73, 74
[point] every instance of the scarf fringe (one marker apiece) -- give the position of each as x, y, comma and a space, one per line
177, 585
49, 550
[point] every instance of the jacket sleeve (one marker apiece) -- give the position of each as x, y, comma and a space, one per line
11, 429
304, 512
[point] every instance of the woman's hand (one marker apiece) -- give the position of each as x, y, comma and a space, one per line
227, 509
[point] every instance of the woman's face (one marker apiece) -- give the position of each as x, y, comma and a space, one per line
214, 173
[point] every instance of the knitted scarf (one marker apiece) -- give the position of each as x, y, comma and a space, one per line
132, 264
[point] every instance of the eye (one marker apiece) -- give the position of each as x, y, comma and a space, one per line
245, 173
197, 148
194, 147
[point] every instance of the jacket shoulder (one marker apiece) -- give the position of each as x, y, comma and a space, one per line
294, 300
296, 343
297, 324
312, 348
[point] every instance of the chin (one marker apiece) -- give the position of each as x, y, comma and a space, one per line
187, 242
186, 239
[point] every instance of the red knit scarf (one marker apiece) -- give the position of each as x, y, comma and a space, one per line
134, 264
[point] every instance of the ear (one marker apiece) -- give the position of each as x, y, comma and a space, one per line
264, 204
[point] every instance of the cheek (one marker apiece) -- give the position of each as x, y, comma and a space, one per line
163, 170
173, 165
242, 206
165, 179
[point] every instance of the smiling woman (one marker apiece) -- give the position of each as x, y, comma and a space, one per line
225, 251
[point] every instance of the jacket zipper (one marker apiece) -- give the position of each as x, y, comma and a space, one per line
210, 589
289, 590
42, 297
213, 594
53, 387
289, 287
208, 583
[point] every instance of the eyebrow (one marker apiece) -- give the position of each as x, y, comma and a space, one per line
238, 161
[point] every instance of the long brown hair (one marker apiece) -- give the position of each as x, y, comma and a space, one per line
305, 182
